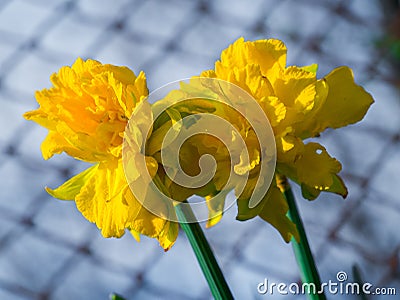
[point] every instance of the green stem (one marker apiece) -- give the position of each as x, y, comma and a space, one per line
201, 248
302, 251
204, 254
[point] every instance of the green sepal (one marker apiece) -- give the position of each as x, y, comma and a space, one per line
311, 68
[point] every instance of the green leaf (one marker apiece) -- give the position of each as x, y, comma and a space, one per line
72, 187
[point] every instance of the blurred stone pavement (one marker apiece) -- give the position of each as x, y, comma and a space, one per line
49, 251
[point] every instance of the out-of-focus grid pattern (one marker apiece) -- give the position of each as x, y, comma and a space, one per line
47, 249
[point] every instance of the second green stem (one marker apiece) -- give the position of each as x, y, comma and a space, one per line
302, 251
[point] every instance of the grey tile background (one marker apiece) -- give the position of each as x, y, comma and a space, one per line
47, 249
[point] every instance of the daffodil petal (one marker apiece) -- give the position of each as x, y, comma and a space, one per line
42, 118
296, 87
168, 236
269, 54
346, 103
315, 171
337, 187
71, 188
315, 167
275, 212
143, 221
215, 208
101, 199
244, 211
135, 234
55, 143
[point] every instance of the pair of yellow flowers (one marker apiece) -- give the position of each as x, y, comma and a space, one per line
88, 108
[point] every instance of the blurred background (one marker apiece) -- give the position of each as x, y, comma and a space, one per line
49, 251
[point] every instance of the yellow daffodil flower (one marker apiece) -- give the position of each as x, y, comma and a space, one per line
86, 112
298, 106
